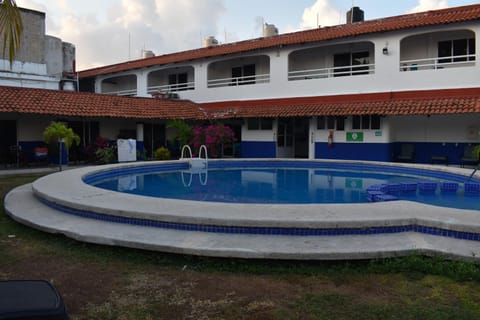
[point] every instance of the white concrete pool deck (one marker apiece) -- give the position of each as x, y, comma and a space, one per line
66, 188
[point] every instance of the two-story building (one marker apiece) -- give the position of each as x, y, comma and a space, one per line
360, 90
353, 91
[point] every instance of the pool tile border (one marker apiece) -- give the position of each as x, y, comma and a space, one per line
264, 230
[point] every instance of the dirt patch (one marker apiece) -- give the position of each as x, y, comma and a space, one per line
79, 283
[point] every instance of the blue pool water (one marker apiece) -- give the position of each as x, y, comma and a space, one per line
283, 182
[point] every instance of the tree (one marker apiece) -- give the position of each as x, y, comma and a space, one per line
11, 28
57, 131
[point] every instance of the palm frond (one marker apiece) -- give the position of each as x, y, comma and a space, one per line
11, 28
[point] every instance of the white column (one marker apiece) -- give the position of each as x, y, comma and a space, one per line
312, 138
139, 131
142, 84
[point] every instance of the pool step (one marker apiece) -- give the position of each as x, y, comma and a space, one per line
24, 207
386, 192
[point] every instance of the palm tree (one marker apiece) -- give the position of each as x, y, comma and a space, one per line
11, 28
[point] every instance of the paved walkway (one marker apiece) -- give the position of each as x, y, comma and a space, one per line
25, 208
18, 171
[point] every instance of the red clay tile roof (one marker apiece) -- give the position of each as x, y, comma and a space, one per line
422, 19
81, 104
427, 102
74, 104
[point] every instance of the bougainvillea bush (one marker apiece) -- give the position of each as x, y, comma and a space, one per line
213, 136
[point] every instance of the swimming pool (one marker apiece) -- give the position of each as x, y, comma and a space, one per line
63, 203
299, 182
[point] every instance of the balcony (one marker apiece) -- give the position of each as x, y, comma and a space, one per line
171, 80
120, 86
323, 73
438, 50
171, 87
435, 63
239, 81
239, 71
125, 93
340, 60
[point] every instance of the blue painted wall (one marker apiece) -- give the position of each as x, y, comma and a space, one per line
425, 150
258, 149
28, 155
354, 151
349, 151
140, 150
389, 151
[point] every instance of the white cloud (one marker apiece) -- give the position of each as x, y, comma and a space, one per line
163, 26
321, 13
425, 5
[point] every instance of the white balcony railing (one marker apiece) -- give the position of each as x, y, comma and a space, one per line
437, 63
126, 92
172, 87
238, 81
322, 73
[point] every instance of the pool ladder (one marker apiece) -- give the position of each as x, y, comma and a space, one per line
197, 165
473, 173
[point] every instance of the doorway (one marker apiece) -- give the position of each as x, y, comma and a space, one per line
8, 143
292, 137
153, 137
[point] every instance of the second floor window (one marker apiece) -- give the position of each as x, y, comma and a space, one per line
178, 81
456, 50
243, 75
355, 63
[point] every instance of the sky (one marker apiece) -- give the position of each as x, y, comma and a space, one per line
106, 32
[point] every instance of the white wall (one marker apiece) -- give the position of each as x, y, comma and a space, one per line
31, 128
383, 135
451, 128
111, 129
387, 76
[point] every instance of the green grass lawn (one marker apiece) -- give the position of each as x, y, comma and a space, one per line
101, 282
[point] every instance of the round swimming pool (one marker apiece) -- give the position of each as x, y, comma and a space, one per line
293, 182
63, 203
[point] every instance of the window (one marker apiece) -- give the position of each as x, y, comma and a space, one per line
368, 122
375, 122
321, 123
243, 75
331, 123
178, 81
355, 63
259, 124
456, 50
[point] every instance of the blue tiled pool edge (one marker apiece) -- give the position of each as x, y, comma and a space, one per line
462, 235
215, 164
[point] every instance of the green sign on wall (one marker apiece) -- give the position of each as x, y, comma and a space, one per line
351, 183
355, 136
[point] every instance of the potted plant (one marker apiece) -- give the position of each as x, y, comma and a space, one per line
57, 135
476, 153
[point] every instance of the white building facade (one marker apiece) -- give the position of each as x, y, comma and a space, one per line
418, 52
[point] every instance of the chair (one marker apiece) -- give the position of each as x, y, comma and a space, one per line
468, 156
407, 153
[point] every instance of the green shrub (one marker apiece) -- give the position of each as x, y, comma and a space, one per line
162, 153
105, 155
476, 153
